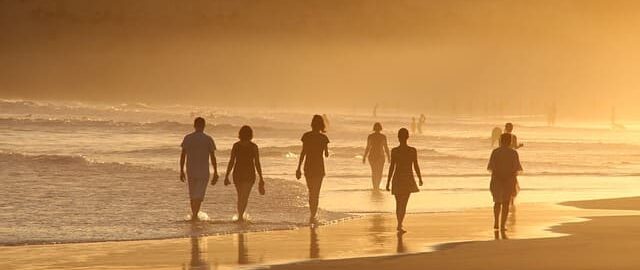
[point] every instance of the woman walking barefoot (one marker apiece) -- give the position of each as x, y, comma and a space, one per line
314, 145
376, 150
244, 161
404, 160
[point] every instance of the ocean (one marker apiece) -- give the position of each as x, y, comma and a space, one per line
81, 172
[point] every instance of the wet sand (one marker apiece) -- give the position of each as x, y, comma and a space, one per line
370, 241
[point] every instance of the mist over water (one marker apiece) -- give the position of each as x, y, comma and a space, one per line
93, 172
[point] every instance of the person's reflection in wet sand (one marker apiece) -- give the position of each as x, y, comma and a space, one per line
197, 261
314, 246
400, 247
377, 231
243, 251
500, 235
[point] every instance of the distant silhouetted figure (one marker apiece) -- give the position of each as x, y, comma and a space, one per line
314, 146
614, 123
421, 122
504, 165
376, 150
508, 129
551, 116
495, 136
244, 161
197, 148
325, 118
414, 125
404, 160
375, 110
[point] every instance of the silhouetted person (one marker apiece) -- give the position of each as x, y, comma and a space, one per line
414, 125
314, 145
197, 148
376, 150
375, 110
244, 161
421, 122
404, 160
504, 165
495, 136
508, 129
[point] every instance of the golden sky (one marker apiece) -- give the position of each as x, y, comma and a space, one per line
581, 54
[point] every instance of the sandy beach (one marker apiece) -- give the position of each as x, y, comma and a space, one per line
370, 242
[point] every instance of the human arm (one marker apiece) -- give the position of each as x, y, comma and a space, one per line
259, 170
366, 150
392, 168
303, 153
183, 156
214, 163
416, 168
386, 148
232, 162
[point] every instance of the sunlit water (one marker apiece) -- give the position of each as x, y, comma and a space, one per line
73, 172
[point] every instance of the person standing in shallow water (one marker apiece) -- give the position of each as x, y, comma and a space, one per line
314, 146
376, 150
404, 160
197, 148
244, 161
504, 165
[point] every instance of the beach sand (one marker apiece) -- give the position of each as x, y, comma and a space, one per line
464, 240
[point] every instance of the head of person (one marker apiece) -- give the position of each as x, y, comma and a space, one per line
508, 127
245, 133
199, 124
505, 139
403, 135
377, 127
317, 123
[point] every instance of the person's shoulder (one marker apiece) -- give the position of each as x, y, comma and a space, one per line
413, 149
189, 136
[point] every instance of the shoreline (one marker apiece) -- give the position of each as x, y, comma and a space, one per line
358, 238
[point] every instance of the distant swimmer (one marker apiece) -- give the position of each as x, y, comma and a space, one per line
376, 151
244, 161
504, 165
413, 125
400, 181
314, 149
197, 148
421, 121
495, 136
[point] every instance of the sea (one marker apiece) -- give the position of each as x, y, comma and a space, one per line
89, 172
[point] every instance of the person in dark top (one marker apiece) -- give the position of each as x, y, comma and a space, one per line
504, 165
404, 160
244, 161
376, 150
314, 146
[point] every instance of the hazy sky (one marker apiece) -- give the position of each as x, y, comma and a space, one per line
417, 54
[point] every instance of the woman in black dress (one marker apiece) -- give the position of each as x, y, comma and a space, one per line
376, 150
404, 160
244, 161
314, 146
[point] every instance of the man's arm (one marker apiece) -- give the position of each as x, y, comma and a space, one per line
214, 163
182, 160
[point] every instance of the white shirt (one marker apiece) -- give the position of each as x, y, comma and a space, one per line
198, 146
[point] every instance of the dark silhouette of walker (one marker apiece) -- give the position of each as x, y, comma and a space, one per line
314, 149
404, 160
504, 165
244, 161
376, 150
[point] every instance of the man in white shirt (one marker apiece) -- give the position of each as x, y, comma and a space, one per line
197, 147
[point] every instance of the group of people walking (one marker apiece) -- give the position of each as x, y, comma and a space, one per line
198, 149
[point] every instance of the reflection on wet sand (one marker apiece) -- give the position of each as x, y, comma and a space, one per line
198, 248
314, 246
500, 235
400, 243
243, 250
